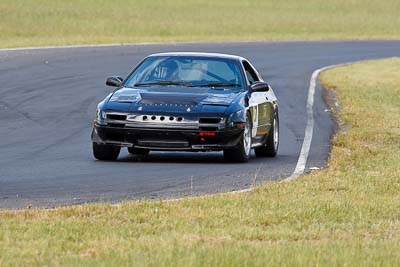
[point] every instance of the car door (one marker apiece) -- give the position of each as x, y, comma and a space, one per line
260, 105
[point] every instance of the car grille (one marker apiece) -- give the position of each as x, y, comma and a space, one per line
210, 124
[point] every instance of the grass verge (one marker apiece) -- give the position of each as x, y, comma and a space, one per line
59, 22
346, 215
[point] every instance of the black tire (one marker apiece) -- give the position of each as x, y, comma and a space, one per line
105, 152
138, 151
270, 148
241, 153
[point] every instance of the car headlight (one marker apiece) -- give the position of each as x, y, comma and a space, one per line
125, 96
99, 117
235, 118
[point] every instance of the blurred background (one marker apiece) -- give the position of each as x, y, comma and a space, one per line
60, 22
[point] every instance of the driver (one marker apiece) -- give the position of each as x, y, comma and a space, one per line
169, 70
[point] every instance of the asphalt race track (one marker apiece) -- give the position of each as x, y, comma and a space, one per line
47, 105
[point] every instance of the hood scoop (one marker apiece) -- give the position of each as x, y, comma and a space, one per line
173, 100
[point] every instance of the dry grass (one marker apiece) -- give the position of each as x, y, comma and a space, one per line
59, 22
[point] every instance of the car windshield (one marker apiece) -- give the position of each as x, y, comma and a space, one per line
216, 73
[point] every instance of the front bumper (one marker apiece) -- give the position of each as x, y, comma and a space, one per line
167, 138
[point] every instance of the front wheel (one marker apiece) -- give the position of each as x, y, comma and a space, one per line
105, 152
270, 148
241, 153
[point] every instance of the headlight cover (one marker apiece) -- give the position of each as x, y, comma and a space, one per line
99, 117
236, 117
126, 95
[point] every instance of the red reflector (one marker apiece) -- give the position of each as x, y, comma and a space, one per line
240, 125
208, 134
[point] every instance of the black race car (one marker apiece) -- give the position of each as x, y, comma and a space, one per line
188, 102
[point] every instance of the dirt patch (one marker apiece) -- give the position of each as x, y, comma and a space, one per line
330, 97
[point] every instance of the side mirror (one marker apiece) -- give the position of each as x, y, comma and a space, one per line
259, 87
114, 81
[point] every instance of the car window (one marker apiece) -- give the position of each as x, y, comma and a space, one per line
250, 73
194, 70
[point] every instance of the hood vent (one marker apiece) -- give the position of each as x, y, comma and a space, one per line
158, 99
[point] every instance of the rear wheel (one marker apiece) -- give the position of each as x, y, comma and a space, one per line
241, 153
105, 152
270, 148
138, 151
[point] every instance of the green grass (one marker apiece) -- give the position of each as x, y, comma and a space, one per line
345, 215
59, 22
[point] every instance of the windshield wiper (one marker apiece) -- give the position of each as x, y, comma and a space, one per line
218, 84
165, 83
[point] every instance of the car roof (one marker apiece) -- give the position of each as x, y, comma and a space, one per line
199, 54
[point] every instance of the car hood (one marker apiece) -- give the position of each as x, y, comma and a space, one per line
170, 99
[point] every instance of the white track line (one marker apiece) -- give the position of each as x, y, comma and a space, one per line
308, 134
